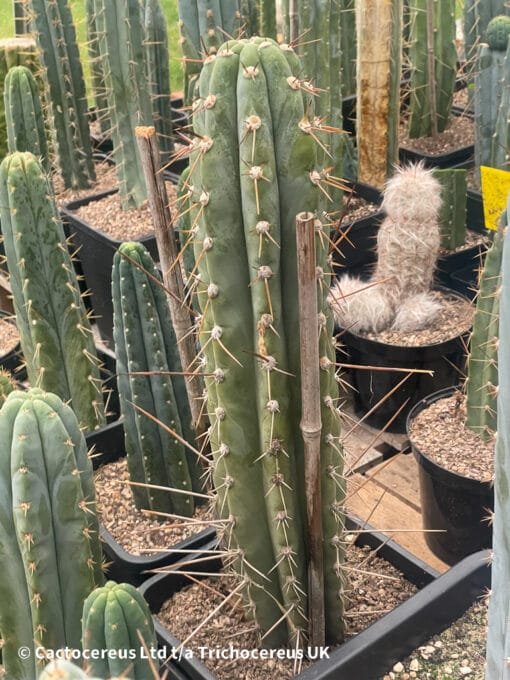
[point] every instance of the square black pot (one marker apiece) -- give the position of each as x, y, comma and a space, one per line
439, 602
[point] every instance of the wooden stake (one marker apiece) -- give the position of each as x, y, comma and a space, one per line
172, 276
311, 425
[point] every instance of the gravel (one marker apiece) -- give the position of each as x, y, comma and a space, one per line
440, 433
456, 316
9, 336
376, 587
136, 532
105, 179
460, 132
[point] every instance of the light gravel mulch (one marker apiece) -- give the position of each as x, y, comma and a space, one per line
455, 317
106, 179
440, 433
460, 132
375, 589
136, 532
9, 336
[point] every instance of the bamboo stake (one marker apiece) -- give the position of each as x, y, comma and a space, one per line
172, 276
311, 425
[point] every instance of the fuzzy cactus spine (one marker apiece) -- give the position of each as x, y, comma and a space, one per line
56, 337
251, 179
24, 115
146, 351
55, 34
116, 617
49, 534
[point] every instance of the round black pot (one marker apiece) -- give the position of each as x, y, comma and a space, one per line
445, 359
457, 506
11, 360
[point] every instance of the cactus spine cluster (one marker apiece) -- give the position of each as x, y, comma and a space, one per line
24, 115
49, 534
254, 167
452, 217
432, 79
117, 617
13, 52
379, 30
407, 249
55, 333
7, 385
492, 97
147, 353
55, 34
482, 373
497, 665
120, 42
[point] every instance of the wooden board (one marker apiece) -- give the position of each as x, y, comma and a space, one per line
391, 515
400, 477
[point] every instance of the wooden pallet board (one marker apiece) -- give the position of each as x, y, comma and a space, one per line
391, 514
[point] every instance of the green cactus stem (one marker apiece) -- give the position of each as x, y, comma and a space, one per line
24, 116
379, 29
14, 52
120, 41
117, 617
452, 217
482, 375
254, 168
7, 385
56, 337
55, 34
158, 73
96, 70
147, 354
433, 60
492, 99
50, 553
64, 670
476, 17
496, 655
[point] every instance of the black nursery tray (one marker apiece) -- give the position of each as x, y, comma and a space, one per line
440, 601
96, 252
124, 567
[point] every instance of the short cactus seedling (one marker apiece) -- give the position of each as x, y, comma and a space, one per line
7, 385
407, 248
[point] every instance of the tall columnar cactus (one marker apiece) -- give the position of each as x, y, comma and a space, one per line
117, 617
347, 10
120, 39
7, 385
147, 353
204, 26
452, 217
482, 376
24, 115
492, 97
158, 72
14, 52
55, 333
433, 62
254, 167
497, 638
55, 34
476, 17
96, 69
379, 65
50, 553
407, 249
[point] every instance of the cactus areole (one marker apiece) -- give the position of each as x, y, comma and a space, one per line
254, 168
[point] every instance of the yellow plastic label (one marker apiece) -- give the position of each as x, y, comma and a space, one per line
495, 190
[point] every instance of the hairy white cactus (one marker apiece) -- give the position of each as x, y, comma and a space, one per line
398, 295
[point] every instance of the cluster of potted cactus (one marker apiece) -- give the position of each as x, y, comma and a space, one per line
226, 370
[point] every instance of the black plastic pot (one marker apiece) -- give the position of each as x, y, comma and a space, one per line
124, 567
445, 359
356, 241
10, 361
371, 653
457, 506
462, 282
96, 258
